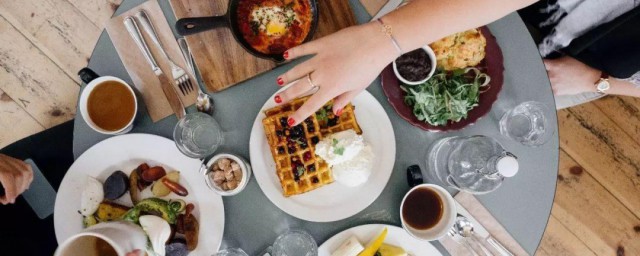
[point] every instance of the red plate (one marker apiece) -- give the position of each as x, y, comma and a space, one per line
492, 65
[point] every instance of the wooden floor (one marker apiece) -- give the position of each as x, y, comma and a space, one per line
43, 43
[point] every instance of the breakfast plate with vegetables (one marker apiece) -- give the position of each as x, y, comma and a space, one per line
132, 177
376, 240
328, 167
462, 88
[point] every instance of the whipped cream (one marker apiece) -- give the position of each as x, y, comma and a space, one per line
355, 172
350, 158
340, 147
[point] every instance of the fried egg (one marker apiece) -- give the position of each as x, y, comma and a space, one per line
273, 20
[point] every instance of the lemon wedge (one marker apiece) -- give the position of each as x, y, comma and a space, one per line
374, 245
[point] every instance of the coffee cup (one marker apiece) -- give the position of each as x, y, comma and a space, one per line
427, 212
107, 104
115, 238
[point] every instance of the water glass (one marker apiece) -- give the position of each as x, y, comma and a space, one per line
528, 124
198, 135
294, 242
232, 252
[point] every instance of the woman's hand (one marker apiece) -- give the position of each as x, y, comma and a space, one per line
345, 63
15, 176
569, 76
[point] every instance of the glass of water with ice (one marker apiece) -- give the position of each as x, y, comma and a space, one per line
528, 123
294, 242
198, 135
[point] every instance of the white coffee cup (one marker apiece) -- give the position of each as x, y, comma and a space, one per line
123, 237
84, 99
446, 222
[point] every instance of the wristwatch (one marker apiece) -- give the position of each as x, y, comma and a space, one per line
602, 85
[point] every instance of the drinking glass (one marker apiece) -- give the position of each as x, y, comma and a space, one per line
294, 242
232, 252
528, 124
198, 135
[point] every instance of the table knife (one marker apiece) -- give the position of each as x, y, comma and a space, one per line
168, 87
387, 8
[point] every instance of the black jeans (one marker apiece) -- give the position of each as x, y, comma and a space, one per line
21, 231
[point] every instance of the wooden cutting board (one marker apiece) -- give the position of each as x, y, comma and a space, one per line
222, 62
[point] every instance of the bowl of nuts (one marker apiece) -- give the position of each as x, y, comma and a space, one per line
227, 174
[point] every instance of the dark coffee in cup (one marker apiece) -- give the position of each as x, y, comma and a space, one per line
423, 208
427, 212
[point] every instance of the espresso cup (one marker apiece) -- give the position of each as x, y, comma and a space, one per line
93, 81
443, 224
108, 238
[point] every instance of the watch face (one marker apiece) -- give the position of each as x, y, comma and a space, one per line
603, 86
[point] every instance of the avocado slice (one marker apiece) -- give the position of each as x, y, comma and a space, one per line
151, 205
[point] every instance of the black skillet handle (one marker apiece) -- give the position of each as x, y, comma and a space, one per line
190, 26
414, 176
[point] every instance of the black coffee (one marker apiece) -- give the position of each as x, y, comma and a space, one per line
422, 209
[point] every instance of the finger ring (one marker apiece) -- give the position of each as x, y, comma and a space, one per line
313, 86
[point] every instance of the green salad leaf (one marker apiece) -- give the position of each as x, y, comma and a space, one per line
446, 96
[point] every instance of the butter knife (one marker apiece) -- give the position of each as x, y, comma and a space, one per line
387, 8
167, 86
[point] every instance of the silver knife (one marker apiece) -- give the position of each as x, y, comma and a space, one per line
387, 8
167, 86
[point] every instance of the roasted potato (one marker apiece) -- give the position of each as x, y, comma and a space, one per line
134, 190
159, 189
108, 211
116, 185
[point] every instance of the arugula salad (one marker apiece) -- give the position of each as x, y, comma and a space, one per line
447, 96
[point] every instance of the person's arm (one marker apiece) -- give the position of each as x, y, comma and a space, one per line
346, 62
424, 21
622, 87
15, 176
569, 76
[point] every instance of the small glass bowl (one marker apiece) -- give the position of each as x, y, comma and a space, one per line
244, 166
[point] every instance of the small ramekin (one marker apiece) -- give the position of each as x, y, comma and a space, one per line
244, 166
432, 57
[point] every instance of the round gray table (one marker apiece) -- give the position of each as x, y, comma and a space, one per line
522, 204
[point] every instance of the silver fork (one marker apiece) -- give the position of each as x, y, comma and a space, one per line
180, 77
453, 233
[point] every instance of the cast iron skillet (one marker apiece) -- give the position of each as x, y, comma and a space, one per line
190, 26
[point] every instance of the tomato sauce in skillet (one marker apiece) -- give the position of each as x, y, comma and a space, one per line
273, 26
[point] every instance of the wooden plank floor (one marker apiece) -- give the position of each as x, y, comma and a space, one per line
597, 205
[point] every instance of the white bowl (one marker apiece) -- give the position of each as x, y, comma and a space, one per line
448, 217
244, 166
432, 57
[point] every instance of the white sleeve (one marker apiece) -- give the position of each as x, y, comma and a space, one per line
634, 79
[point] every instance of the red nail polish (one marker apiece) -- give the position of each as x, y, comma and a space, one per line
290, 122
280, 81
278, 99
285, 55
339, 112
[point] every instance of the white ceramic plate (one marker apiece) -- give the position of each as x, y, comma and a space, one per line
125, 153
334, 201
395, 236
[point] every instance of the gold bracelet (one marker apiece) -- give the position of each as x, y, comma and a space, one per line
387, 30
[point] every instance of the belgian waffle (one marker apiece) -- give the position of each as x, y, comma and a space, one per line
293, 148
